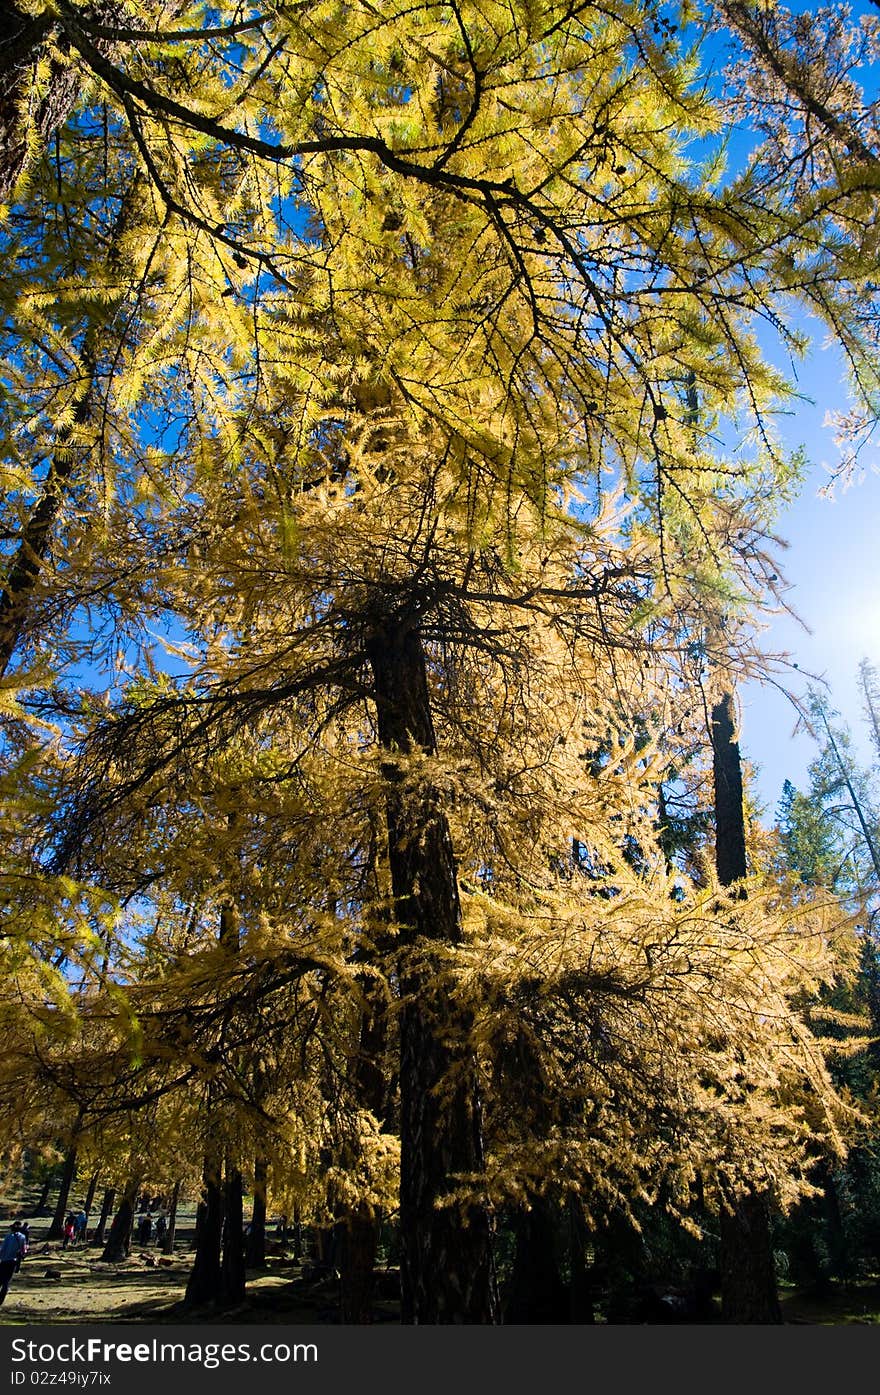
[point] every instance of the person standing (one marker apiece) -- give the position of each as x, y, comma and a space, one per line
12, 1252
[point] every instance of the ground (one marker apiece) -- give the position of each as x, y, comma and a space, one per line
57, 1286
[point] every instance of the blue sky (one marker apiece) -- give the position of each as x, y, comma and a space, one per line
833, 566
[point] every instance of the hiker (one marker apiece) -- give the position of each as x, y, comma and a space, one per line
161, 1230
69, 1231
12, 1252
80, 1222
145, 1229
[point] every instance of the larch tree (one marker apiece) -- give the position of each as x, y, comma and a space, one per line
384, 364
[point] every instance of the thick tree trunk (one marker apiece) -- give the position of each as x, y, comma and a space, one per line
356, 1233
537, 1293
211, 1270
748, 1277
355, 1244
118, 1244
730, 832
232, 1270
446, 1260
256, 1241
44, 1196
22, 45
106, 1208
205, 1280
56, 1229
168, 1246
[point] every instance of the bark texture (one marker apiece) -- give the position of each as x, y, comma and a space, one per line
446, 1268
205, 1283
232, 1270
748, 1277
28, 118
746, 1264
118, 1243
537, 1293
730, 835
256, 1241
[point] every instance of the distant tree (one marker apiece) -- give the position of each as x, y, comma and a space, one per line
811, 845
844, 792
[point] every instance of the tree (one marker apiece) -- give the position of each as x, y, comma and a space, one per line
810, 845
748, 1276
403, 354
842, 791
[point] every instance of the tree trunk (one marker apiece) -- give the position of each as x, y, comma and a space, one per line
581, 1290
256, 1241
355, 1245
207, 1277
836, 1242
168, 1246
22, 43
118, 1244
232, 1270
36, 536
56, 1229
730, 833
44, 1196
747, 1271
90, 1197
446, 1260
356, 1232
106, 1208
537, 1293
205, 1281
748, 1278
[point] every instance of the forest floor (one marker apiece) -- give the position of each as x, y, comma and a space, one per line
850, 1304
57, 1285
73, 1286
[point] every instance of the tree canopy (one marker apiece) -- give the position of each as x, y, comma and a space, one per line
389, 491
